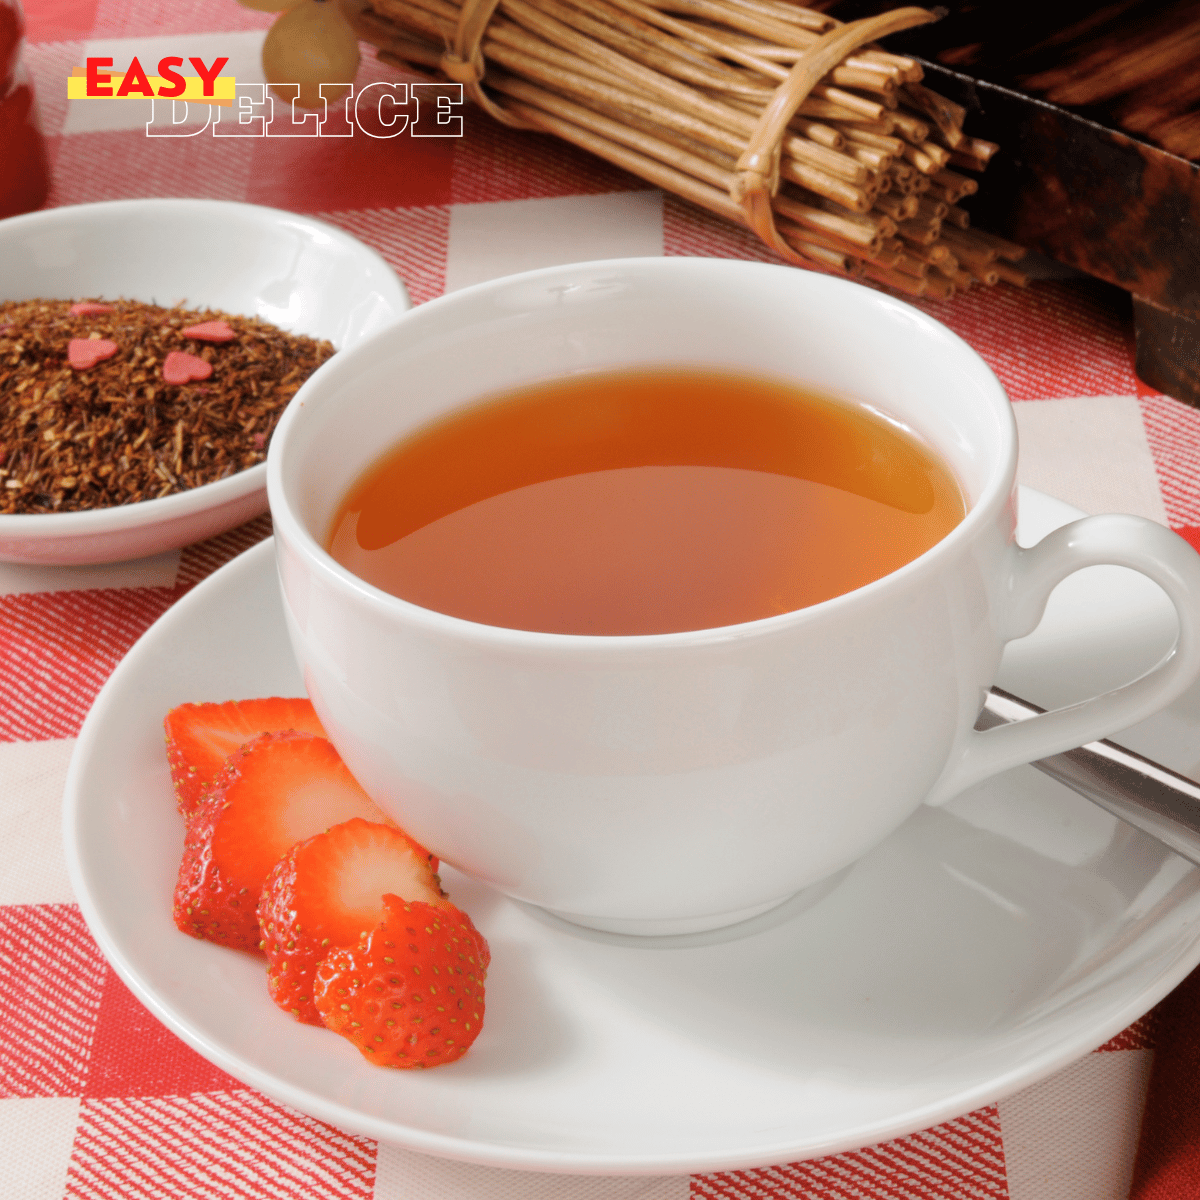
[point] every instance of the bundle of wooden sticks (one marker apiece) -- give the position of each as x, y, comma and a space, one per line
772, 115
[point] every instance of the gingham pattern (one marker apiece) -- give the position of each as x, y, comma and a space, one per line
234, 1143
959, 1160
97, 1099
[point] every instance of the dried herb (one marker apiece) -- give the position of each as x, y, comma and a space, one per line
117, 432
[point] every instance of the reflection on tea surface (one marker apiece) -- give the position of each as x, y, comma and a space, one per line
644, 502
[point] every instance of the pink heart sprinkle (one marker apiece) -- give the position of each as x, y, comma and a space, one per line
87, 352
179, 367
86, 309
210, 331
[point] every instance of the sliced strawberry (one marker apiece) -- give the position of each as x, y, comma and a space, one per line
328, 892
279, 789
200, 737
410, 995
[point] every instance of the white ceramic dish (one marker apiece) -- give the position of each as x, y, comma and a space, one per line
981, 947
300, 274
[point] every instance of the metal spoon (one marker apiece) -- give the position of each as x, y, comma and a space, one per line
1144, 793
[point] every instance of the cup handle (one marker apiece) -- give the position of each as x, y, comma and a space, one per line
1124, 541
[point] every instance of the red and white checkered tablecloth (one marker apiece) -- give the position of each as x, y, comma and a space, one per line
99, 1100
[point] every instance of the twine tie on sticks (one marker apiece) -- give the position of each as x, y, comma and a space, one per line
757, 178
464, 63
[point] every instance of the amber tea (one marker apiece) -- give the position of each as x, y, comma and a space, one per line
643, 502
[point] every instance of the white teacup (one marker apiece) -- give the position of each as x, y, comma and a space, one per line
684, 781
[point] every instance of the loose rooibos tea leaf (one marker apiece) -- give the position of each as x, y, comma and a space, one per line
83, 430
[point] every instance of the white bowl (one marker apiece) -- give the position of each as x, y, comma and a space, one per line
300, 274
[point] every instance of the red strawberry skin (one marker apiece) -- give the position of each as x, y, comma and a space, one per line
279, 789
200, 737
412, 993
327, 893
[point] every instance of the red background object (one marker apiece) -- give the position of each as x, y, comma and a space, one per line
24, 168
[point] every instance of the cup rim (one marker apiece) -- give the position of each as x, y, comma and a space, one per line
289, 529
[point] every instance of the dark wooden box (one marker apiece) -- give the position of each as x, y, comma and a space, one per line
1069, 184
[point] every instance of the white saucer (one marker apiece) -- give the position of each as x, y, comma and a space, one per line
981, 947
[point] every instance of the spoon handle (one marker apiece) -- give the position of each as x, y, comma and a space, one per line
1147, 795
